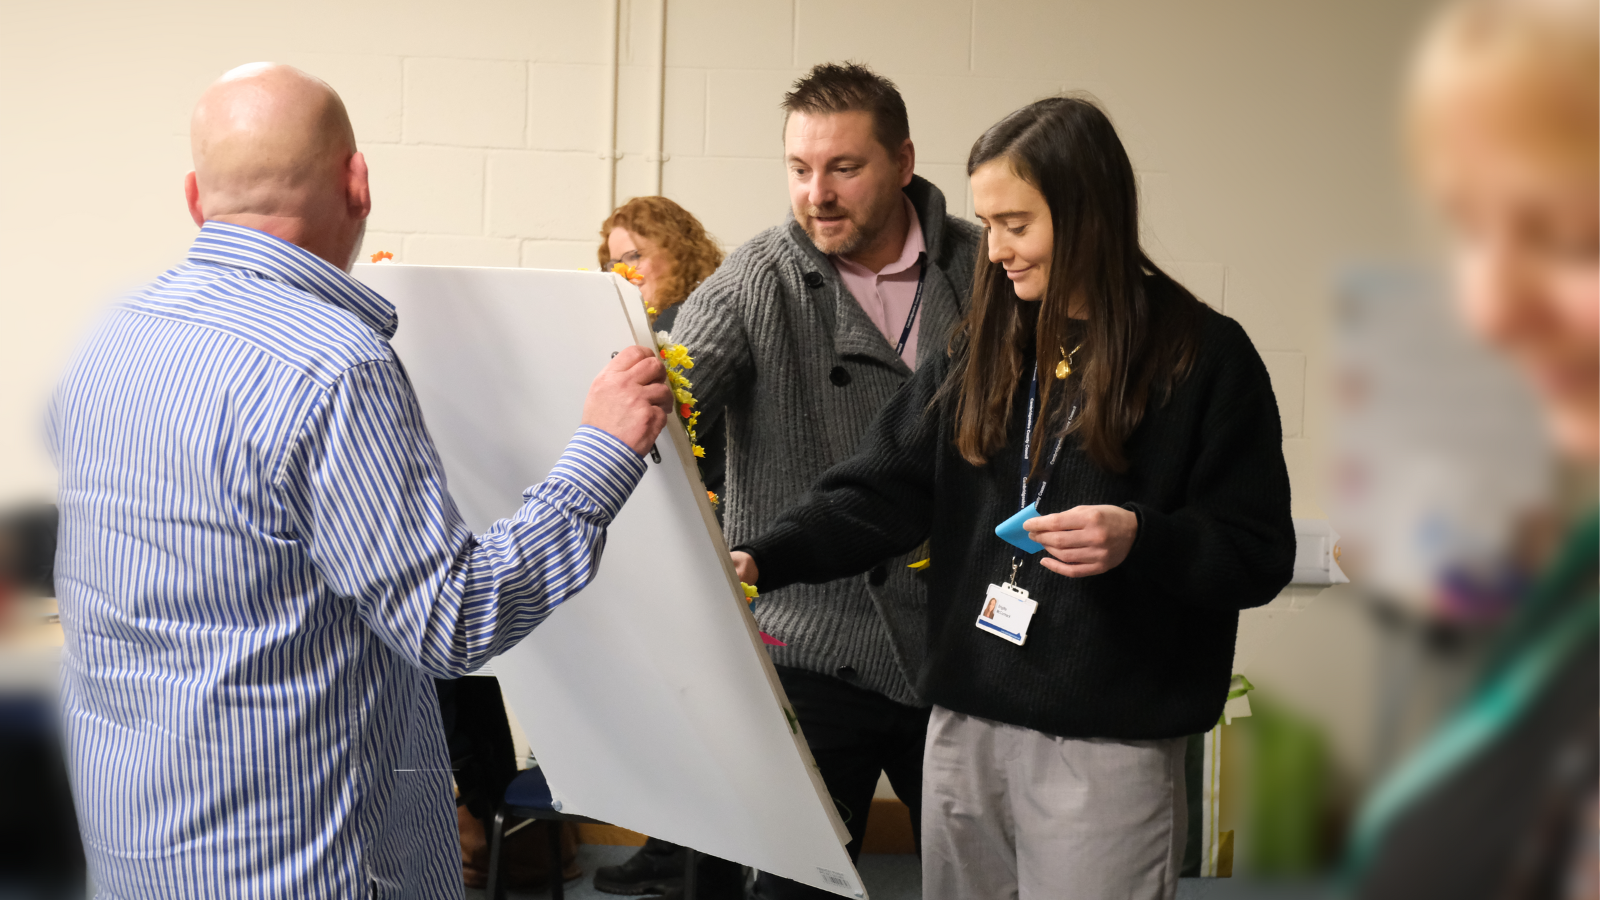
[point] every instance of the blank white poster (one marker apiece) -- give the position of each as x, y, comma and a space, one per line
647, 698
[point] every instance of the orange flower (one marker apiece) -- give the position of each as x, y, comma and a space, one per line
685, 411
628, 272
713, 496
382, 255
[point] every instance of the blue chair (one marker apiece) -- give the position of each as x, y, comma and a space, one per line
528, 797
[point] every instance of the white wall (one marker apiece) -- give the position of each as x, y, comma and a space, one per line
1261, 131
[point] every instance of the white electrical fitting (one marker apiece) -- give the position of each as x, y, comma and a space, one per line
1316, 554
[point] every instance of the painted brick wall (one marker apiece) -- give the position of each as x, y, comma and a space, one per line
1261, 132
1261, 136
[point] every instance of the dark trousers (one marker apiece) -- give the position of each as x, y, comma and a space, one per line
40, 852
854, 734
479, 736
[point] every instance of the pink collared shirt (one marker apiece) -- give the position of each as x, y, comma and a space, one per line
886, 296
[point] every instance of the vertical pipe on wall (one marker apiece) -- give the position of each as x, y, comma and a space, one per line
608, 153
658, 99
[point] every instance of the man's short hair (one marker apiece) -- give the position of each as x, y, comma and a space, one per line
850, 87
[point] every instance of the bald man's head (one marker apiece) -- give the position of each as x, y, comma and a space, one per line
273, 149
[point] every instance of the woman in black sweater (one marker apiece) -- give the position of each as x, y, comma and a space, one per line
1142, 426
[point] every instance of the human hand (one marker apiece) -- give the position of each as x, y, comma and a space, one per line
745, 565
1084, 540
630, 400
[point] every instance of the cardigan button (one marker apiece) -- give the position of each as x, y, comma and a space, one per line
840, 376
848, 673
813, 280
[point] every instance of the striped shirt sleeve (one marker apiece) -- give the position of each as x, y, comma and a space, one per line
369, 492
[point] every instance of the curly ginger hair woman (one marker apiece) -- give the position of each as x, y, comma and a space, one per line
666, 244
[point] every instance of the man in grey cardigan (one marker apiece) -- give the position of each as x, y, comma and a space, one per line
795, 342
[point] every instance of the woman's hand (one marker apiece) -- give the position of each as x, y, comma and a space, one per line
745, 565
1084, 540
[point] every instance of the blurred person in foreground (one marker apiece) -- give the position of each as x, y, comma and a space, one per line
1504, 116
668, 254
260, 565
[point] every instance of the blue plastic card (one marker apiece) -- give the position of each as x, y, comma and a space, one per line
1012, 532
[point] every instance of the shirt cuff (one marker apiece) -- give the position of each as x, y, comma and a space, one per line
601, 466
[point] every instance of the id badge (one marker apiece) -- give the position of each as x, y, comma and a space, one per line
1006, 613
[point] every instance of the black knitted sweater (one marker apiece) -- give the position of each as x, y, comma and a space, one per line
1143, 651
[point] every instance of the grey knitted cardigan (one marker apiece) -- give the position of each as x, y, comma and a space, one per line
787, 355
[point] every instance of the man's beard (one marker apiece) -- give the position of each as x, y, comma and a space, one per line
860, 234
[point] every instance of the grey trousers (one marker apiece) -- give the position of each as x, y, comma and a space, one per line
1009, 812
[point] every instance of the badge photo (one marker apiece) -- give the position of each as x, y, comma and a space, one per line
1006, 613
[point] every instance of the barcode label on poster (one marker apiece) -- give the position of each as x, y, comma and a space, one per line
833, 878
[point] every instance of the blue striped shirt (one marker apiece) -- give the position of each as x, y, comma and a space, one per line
260, 571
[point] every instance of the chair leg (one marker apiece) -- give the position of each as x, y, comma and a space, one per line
558, 888
691, 873
496, 887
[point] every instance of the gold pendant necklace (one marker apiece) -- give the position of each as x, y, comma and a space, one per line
1064, 367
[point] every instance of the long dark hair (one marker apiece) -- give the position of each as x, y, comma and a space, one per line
1142, 332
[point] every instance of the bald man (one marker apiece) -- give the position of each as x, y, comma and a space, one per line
260, 568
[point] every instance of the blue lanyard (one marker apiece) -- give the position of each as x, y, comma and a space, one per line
1027, 441
916, 303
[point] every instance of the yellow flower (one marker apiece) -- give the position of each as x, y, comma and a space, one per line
652, 310
699, 451
750, 592
683, 396
677, 355
676, 379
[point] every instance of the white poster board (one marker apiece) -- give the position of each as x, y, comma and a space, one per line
647, 698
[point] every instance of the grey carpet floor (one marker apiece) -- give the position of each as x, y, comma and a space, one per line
900, 878
886, 877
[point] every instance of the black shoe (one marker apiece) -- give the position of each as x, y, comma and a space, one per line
655, 869
716, 879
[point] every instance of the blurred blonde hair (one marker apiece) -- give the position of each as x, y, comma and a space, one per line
1534, 64
680, 236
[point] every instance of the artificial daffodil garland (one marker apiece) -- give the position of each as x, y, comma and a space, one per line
677, 360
